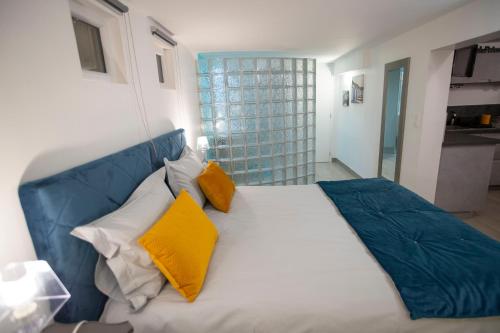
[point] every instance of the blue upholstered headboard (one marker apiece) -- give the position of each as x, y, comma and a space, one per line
53, 206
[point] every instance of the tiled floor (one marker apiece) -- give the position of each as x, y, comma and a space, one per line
486, 220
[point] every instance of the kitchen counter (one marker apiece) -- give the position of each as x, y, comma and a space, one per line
472, 130
452, 138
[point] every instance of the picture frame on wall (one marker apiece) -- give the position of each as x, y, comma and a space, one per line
358, 89
345, 98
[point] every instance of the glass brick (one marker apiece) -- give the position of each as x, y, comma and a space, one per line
204, 82
278, 123
265, 150
233, 65
277, 109
278, 162
300, 121
205, 97
301, 147
219, 96
310, 119
264, 109
253, 178
234, 95
311, 106
249, 110
299, 77
238, 152
311, 79
240, 178
220, 110
263, 80
226, 165
290, 135
311, 93
206, 111
311, 65
310, 132
299, 65
249, 95
221, 126
251, 125
208, 127
266, 162
264, 136
278, 136
251, 138
291, 147
277, 94
291, 160
211, 154
237, 140
310, 157
300, 107
263, 95
248, 80
277, 80
290, 173
221, 140
202, 66
289, 94
290, 107
262, 64
301, 181
301, 158
276, 65
288, 79
290, 182
289, 121
278, 149
300, 93
301, 171
300, 133
248, 65
287, 63
236, 126
267, 176
279, 174
211, 141
223, 153
264, 124
253, 164
239, 166
235, 110
252, 151
218, 81
216, 65
233, 81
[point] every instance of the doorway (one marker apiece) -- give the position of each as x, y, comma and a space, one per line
393, 119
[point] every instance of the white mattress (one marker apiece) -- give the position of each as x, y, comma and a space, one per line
287, 261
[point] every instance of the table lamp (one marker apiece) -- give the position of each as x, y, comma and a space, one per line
202, 145
30, 296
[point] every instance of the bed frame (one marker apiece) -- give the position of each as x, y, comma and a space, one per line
53, 206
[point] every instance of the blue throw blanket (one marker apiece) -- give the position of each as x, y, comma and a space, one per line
441, 266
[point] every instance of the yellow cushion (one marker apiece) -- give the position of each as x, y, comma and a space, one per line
217, 186
181, 243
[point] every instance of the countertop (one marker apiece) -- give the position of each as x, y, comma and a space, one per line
469, 130
452, 138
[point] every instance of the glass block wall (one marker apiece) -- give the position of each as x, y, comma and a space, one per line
259, 116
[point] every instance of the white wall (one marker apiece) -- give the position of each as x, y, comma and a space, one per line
53, 119
474, 95
324, 108
357, 130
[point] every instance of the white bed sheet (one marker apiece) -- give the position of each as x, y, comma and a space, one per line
287, 261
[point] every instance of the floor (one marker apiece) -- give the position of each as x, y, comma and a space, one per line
486, 220
389, 166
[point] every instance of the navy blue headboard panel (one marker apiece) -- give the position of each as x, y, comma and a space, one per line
55, 205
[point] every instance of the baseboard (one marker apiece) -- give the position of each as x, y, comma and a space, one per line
336, 160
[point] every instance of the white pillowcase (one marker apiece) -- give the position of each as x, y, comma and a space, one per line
125, 271
183, 174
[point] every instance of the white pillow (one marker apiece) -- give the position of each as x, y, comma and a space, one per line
129, 273
183, 173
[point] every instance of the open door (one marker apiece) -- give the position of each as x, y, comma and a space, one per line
393, 119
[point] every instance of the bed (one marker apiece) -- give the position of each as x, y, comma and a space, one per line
286, 261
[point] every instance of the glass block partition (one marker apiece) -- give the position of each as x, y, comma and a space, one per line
259, 116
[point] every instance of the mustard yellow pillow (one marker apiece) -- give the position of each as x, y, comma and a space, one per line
181, 243
217, 186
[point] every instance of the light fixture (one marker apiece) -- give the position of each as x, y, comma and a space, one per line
202, 145
30, 295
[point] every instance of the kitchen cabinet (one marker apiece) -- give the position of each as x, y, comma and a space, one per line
495, 169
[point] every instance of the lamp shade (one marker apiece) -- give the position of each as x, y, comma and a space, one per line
30, 295
202, 143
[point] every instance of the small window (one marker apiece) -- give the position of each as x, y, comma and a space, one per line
88, 40
159, 65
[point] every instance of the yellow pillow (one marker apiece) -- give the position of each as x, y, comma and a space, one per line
181, 243
217, 186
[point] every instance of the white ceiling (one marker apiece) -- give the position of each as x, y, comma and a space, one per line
324, 29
